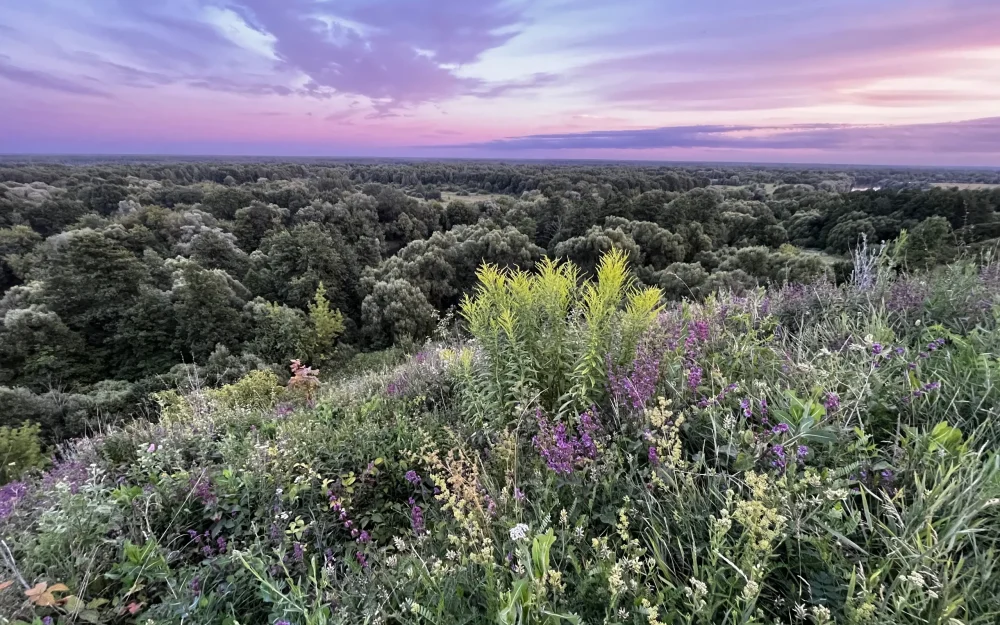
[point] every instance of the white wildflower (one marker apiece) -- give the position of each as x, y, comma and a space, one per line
519, 532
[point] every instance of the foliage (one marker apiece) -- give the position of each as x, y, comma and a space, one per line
803, 453
20, 451
546, 339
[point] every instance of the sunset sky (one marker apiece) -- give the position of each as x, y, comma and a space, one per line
838, 81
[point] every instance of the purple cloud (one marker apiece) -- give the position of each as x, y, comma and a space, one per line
391, 51
45, 81
973, 136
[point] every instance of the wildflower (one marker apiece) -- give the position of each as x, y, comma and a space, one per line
781, 428
364, 537
622, 614
801, 452
518, 494
519, 532
820, 614
831, 402
47, 620
416, 518
10, 495
563, 517
561, 450
779, 457
282, 622
876, 349
362, 559
151, 448
654, 458
399, 543
412, 477
694, 377
578, 532
751, 590
298, 551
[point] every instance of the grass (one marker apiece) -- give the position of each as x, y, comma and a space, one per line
806, 454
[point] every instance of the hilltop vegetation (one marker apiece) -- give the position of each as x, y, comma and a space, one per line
118, 280
587, 453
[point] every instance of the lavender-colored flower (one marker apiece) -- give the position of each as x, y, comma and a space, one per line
694, 377
298, 552
745, 407
364, 537
196, 585
831, 402
416, 518
561, 450
781, 428
283, 410
47, 620
801, 451
518, 494
635, 384
763, 406
778, 451
654, 457
10, 495
412, 477
220, 542
877, 349
282, 622
362, 559
151, 448
906, 296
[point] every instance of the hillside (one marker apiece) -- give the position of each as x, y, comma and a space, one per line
122, 279
583, 452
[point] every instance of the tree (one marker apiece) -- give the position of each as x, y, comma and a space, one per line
89, 281
208, 306
325, 326
396, 311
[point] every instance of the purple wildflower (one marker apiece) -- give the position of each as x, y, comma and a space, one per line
47, 620
877, 349
412, 477
561, 450
654, 457
362, 559
298, 551
416, 518
779, 457
364, 537
518, 494
221, 544
638, 385
196, 585
745, 407
10, 495
781, 428
802, 451
831, 402
282, 622
694, 377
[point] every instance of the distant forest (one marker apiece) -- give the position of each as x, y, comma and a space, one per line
125, 277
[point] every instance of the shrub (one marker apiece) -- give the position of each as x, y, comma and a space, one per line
20, 451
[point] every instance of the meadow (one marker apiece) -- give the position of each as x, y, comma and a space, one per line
576, 451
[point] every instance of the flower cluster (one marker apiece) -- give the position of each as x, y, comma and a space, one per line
638, 385
561, 450
10, 495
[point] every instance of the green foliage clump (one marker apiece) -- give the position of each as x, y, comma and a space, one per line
20, 451
547, 337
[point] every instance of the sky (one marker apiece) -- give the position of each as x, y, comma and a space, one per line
908, 82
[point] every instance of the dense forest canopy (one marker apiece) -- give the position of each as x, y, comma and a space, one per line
124, 277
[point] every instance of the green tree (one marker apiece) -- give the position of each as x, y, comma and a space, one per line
20, 450
326, 325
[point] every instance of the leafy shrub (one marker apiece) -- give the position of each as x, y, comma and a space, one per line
20, 451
